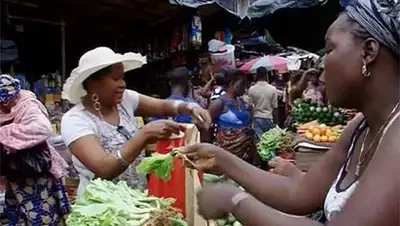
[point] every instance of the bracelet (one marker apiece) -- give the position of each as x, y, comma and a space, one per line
176, 106
238, 198
121, 161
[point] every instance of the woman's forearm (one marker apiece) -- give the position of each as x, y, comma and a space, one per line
130, 151
205, 91
274, 190
252, 212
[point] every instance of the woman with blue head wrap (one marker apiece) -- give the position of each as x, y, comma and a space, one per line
9, 91
352, 182
32, 168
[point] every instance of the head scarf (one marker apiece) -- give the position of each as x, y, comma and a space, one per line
9, 88
381, 18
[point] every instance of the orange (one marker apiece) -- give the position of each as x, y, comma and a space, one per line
316, 131
328, 132
317, 138
309, 135
332, 139
324, 138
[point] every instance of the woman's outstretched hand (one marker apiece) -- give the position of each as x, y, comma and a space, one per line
203, 156
161, 129
285, 168
215, 202
201, 117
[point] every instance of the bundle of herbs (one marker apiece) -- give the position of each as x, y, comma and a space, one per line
160, 164
273, 141
105, 203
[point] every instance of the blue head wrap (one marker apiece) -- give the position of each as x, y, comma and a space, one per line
381, 18
9, 88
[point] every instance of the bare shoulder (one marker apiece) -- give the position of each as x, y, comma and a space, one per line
390, 138
348, 131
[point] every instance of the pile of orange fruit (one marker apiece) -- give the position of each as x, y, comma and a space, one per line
320, 133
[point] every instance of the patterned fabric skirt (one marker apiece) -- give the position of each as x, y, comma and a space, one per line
39, 201
240, 142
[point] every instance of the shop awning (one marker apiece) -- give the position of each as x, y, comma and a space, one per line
231, 6
262, 8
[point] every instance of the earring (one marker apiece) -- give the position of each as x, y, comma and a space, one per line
96, 103
364, 71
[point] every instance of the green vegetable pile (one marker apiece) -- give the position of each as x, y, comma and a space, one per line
159, 164
104, 203
229, 221
306, 111
273, 141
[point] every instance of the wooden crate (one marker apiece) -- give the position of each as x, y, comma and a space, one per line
305, 157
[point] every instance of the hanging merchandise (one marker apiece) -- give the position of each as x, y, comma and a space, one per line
227, 36
220, 36
195, 33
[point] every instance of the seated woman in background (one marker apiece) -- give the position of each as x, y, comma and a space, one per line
232, 120
31, 167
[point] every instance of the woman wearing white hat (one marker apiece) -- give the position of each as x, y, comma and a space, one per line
101, 129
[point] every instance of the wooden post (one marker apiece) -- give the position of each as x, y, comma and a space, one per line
63, 55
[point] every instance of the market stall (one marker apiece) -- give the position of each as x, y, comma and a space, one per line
317, 128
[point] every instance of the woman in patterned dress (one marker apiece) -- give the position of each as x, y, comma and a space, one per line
101, 130
34, 195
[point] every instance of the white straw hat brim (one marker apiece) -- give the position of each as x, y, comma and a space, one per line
73, 90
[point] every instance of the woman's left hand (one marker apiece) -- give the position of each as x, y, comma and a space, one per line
215, 202
201, 117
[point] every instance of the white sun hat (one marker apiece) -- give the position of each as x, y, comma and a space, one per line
93, 61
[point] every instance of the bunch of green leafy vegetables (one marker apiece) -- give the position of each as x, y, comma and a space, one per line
105, 203
269, 143
159, 164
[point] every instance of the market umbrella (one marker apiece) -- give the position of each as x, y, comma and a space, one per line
269, 62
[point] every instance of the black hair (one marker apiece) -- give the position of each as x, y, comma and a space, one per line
179, 76
234, 76
262, 73
96, 75
220, 77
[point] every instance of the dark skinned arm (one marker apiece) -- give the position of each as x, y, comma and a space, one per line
105, 165
301, 85
375, 202
214, 109
149, 106
206, 90
291, 196
275, 111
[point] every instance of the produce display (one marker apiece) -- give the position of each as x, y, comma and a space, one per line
320, 132
273, 141
104, 203
306, 111
228, 221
